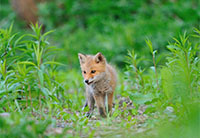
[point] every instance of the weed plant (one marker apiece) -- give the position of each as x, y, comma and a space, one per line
39, 100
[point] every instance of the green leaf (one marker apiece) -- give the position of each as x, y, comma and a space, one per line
31, 35
173, 48
3, 69
47, 33
18, 40
53, 62
41, 77
134, 111
10, 28
140, 98
150, 109
45, 91
27, 62
17, 105
149, 44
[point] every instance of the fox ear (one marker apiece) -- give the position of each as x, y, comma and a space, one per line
81, 58
99, 58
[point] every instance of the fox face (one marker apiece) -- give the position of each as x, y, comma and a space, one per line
93, 67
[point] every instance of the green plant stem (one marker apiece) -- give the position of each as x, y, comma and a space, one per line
26, 100
136, 72
40, 103
188, 72
29, 89
7, 95
21, 93
154, 63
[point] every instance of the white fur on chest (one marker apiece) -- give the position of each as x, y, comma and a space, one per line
102, 86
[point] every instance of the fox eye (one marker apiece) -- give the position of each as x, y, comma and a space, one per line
93, 71
84, 72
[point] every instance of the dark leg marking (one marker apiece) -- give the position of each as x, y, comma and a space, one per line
101, 111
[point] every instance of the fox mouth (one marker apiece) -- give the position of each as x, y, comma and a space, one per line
89, 83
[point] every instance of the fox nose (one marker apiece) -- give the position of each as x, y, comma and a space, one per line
87, 81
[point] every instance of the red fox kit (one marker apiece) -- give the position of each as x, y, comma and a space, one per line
100, 80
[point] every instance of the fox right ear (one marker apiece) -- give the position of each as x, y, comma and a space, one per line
99, 58
81, 58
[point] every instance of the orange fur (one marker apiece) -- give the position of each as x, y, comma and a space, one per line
100, 80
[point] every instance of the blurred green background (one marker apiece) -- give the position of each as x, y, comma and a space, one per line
157, 62
109, 26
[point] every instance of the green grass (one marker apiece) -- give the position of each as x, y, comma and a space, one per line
42, 100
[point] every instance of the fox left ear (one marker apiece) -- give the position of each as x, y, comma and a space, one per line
99, 58
81, 58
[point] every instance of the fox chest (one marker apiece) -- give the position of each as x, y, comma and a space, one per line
101, 88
